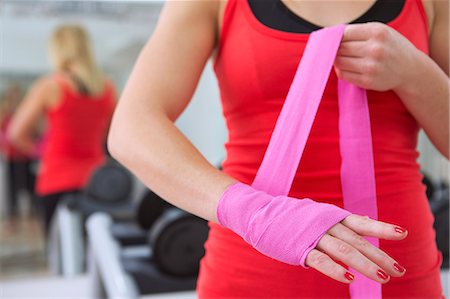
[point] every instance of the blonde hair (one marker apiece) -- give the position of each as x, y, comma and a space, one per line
70, 50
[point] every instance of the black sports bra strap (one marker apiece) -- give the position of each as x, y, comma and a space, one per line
276, 15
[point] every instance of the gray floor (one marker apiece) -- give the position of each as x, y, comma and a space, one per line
78, 287
64, 288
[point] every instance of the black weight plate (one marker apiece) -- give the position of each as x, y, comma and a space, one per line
440, 207
430, 186
110, 183
149, 208
177, 240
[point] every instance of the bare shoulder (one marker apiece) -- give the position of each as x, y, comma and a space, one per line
198, 17
45, 90
177, 51
210, 10
46, 84
193, 9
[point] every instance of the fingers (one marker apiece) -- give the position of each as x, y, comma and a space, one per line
355, 32
344, 242
352, 49
350, 64
325, 265
373, 253
349, 255
362, 32
363, 225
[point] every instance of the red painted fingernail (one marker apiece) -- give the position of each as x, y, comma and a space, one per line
381, 274
399, 229
349, 276
399, 268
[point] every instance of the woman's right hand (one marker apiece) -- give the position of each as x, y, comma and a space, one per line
303, 232
344, 242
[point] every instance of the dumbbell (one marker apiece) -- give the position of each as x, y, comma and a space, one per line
149, 208
110, 183
175, 237
108, 190
429, 185
440, 208
177, 240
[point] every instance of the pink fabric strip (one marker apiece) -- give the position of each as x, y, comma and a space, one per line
357, 170
277, 170
293, 126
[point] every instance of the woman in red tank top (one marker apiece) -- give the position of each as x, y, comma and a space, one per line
77, 102
255, 65
398, 179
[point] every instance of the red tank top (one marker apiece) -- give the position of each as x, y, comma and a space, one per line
255, 67
75, 139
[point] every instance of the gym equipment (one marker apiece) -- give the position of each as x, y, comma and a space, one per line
149, 208
108, 190
177, 240
439, 205
145, 211
168, 264
429, 184
156, 249
109, 184
105, 267
438, 198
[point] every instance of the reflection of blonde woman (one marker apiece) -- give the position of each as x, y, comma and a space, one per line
77, 102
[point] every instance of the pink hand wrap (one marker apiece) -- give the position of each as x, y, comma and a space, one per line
285, 228
281, 227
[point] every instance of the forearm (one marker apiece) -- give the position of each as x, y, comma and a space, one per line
426, 95
25, 144
149, 144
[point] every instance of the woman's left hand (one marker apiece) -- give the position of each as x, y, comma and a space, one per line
375, 56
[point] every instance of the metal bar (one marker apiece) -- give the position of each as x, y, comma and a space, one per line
106, 254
